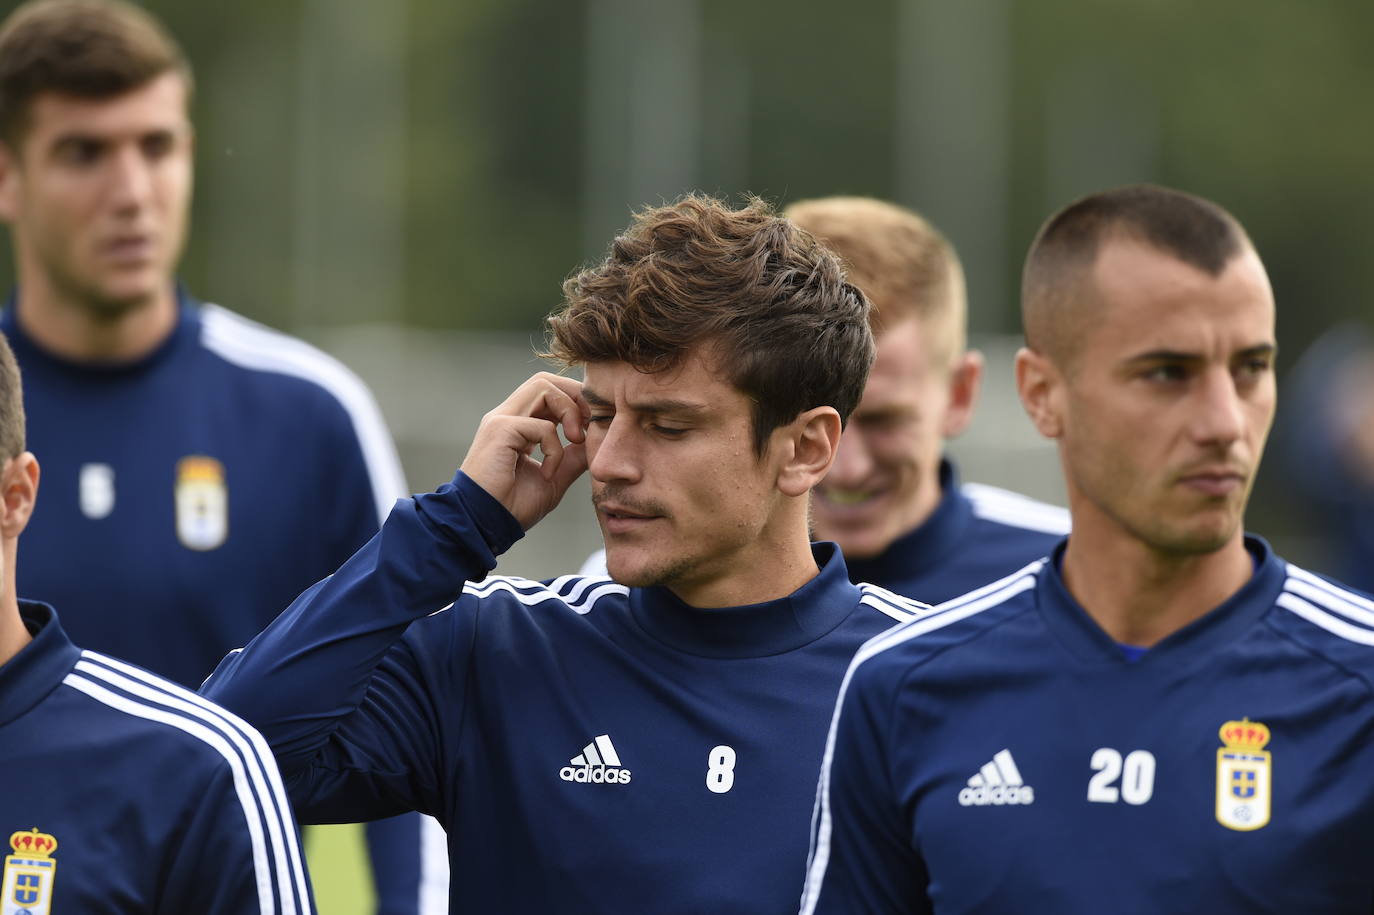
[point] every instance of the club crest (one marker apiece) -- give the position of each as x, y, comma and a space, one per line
202, 503
29, 873
1244, 775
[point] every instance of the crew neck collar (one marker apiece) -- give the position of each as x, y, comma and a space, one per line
28, 677
1216, 628
30, 352
752, 630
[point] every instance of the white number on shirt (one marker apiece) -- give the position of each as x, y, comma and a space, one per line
720, 769
1137, 772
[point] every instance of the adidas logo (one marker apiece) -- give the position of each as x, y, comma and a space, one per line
597, 764
997, 783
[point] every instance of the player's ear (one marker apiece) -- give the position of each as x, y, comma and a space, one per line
19, 489
808, 445
1037, 382
965, 380
9, 180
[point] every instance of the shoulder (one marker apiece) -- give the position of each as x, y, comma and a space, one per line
287, 366
579, 593
891, 656
1329, 619
1014, 510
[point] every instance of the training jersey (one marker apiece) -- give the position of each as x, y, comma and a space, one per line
976, 535
1001, 754
127, 793
589, 747
189, 496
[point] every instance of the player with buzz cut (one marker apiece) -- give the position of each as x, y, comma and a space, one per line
892, 500
123, 792
200, 469
1163, 716
643, 744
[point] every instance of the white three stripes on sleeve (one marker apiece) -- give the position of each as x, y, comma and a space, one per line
998, 592
256, 780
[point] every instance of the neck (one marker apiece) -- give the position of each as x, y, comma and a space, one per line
78, 330
772, 569
14, 635
1139, 595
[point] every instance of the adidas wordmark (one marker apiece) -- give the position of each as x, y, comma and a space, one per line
999, 782
597, 764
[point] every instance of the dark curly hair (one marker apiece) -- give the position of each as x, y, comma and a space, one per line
782, 322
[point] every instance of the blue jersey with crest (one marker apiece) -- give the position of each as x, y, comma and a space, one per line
189, 496
589, 747
124, 792
1002, 754
976, 535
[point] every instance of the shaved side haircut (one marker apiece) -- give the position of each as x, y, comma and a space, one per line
1059, 266
901, 262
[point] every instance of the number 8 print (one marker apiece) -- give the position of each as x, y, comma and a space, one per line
720, 769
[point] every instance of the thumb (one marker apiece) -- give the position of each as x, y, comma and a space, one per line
573, 465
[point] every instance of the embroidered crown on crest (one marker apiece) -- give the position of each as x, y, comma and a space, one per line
33, 842
1244, 735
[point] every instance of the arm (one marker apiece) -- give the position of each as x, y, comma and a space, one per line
237, 851
862, 860
331, 684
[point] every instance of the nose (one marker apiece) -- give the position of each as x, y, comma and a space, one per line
853, 460
132, 182
614, 455
1219, 415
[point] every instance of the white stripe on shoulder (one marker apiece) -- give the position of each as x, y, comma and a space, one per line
530, 593
250, 743
1015, 509
1331, 623
1301, 581
244, 771
940, 616
890, 603
255, 346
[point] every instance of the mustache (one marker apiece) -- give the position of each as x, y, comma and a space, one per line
615, 495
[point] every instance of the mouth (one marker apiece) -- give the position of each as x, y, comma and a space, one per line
846, 498
622, 519
1215, 483
129, 249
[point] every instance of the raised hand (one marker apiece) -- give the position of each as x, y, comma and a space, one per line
501, 457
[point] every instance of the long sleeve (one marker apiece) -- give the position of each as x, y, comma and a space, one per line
344, 702
862, 860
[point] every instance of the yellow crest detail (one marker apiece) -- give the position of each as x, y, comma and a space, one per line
1244, 776
26, 888
202, 503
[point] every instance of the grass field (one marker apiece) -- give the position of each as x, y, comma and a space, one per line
339, 870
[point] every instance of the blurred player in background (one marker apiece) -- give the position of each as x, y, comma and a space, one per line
1327, 438
201, 469
893, 501
122, 790
648, 744
1164, 715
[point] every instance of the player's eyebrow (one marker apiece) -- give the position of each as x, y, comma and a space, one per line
657, 406
1168, 355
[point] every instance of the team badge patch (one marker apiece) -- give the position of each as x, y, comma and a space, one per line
28, 881
96, 490
1244, 775
202, 501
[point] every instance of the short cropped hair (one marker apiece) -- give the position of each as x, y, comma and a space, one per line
901, 262
11, 404
1197, 232
770, 304
92, 49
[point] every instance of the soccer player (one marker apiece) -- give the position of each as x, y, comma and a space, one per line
892, 500
123, 791
201, 469
643, 744
1163, 715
